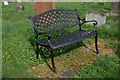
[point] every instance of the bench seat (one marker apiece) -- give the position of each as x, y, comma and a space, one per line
71, 38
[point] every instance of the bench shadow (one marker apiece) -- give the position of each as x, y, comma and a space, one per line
57, 52
65, 49
49, 65
89, 48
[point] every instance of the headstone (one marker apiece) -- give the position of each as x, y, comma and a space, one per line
19, 0
20, 7
100, 18
115, 6
41, 7
5, 2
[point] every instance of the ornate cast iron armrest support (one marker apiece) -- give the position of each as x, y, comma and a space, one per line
94, 22
37, 34
49, 37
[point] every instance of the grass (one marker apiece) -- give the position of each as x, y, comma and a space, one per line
105, 67
84, 7
18, 53
0, 42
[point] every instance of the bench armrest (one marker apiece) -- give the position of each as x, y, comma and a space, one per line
94, 22
48, 37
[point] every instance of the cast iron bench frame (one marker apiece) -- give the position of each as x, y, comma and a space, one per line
53, 20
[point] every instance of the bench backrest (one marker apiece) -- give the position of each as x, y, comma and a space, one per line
55, 19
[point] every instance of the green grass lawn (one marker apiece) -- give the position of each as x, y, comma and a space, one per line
104, 67
18, 53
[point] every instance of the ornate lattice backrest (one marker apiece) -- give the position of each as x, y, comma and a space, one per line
55, 19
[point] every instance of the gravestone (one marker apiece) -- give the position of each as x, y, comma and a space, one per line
100, 18
115, 7
41, 7
20, 7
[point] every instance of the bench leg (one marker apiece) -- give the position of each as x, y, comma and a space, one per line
37, 51
52, 60
96, 44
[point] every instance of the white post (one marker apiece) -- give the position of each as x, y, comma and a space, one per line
5, 2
